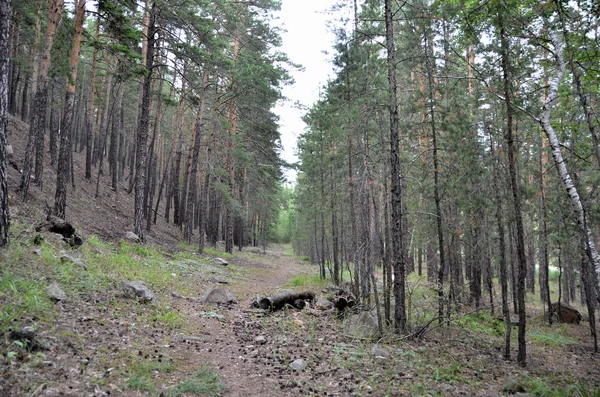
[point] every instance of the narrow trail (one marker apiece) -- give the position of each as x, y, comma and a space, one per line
227, 343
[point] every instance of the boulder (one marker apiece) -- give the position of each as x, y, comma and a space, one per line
297, 365
380, 351
567, 314
137, 289
323, 304
220, 262
26, 333
65, 258
218, 296
55, 292
219, 280
362, 325
131, 236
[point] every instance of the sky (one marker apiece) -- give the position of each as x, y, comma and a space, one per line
305, 39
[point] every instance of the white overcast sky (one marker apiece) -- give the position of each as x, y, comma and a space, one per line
305, 39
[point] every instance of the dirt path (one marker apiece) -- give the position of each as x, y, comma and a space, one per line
230, 344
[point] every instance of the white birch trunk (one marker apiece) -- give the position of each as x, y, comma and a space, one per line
580, 213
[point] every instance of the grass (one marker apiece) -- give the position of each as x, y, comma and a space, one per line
22, 297
307, 280
142, 371
215, 252
546, 387
551, 337
205, 382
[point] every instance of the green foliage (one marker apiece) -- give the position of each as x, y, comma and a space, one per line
205, 382
548, 387
165, 315
217, 253
21, 297
141, 371
306, 280
482, 323
554, 337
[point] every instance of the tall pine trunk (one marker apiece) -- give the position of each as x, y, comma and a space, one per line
514, 184
37, 122
5, 12
396, 207
64, 155
142, 133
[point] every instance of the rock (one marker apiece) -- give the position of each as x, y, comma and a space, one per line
513, 387
131, 236
220, 261
567, 314
260, 339
380, 352
55, 292
137, 289
362, 325
64, 258
297, 365
26, 333
218, 296
323, 304
54, 239
219, 280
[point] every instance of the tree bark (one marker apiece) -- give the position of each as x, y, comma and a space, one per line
189, 210
396, 205
5, 12
514, 184
37, 122
142, 133
578, 209
90, 108
64, 155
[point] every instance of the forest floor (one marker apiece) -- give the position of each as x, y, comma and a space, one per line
97, 342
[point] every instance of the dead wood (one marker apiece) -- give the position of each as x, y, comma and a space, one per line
278, 301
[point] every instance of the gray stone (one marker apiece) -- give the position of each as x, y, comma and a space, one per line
64, 258
131, 236
260, 339
54, 239
219, 280
323, 304
220, 261
55, 292
362, 325
137, 289
513, 387
25, 333
380, 351
218, 296
297, 365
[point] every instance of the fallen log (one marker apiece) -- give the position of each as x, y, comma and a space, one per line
296, 299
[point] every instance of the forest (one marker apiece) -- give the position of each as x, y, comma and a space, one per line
456, 143
459, 140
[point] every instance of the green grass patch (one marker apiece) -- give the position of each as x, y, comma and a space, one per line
167, 316
20, 297
141, 372
546, 387
551, 337
215, 252
482, 323
306, 280
205, 382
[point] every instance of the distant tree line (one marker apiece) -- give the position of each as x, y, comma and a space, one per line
173, 101
435, 149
